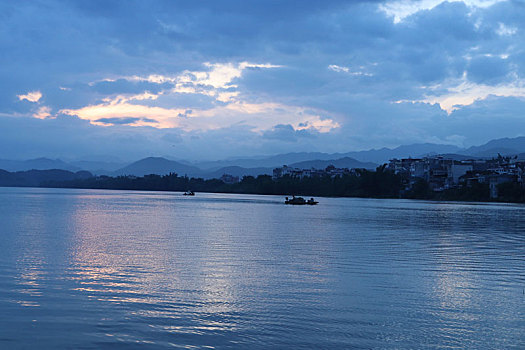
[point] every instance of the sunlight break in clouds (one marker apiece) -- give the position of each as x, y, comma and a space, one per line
32, 96
213, 82
218, 83
465, 93
262, 116
120, 108
259, 117
219, 75
401, 9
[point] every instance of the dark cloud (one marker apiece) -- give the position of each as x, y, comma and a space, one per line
287, 133
488, 70
124, 120
185, 114
173, 137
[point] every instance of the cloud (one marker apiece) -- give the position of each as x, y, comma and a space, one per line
342, 69
504, 30
185, 114
488, 69
256, 75
43, 112
217, 82
32, 96
465, 92
173, 137
124, 121
399, 10
117, 109
338, 69
288, 133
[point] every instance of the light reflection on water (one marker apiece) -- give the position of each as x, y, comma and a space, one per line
98, 269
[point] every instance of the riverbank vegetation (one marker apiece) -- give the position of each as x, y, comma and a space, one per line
363, 183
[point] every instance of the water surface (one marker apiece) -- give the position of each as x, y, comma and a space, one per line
90, 269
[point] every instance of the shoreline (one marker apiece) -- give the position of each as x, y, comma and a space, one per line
444, 201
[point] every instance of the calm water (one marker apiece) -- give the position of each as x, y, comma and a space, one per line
87, 269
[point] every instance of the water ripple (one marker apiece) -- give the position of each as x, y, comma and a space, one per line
116, 269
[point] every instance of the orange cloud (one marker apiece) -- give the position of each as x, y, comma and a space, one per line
32, 96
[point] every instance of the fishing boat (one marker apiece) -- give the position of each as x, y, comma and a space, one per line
189, 193
300, 201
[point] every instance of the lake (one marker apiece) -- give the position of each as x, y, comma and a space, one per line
94, 269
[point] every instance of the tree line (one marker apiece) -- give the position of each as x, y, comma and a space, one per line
364, 183
380, 183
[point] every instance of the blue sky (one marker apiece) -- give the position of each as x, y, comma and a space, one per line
214, 79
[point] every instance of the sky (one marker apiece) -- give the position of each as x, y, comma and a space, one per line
204, 80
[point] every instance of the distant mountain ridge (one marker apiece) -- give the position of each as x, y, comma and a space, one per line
265, 164
238, 171
504, 146
377, 156
36, 164
345, 162
383, 155
270, 161
33, 178
98, 167
159, 166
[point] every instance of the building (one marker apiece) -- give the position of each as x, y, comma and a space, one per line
443, 173
330, 170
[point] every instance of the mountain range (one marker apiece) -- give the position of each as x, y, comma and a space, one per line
157, 165
254, 166
36, 164
505, 146
37, 177
161, 166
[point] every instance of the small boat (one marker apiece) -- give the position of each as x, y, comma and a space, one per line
300, 201
189, 193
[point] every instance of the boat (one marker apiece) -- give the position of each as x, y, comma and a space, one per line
189, 193
300, 201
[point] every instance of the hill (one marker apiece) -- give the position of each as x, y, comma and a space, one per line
417, 150
258, 165
504, 146
37, 177
159, 166
98, 167
237, 171
37, 164
345, 162
376, 156
267, 161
